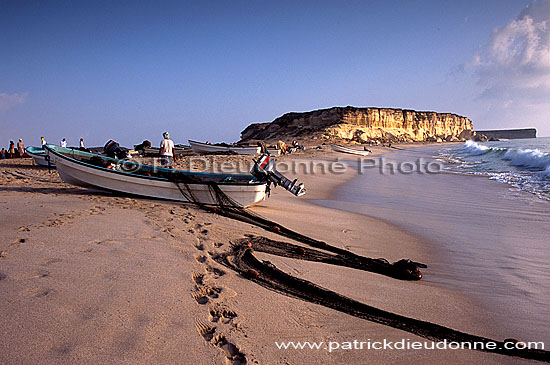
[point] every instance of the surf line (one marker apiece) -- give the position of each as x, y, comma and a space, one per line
242, 260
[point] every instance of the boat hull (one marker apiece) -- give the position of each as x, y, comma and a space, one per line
39, 156
92, 177
343, 149
199, 147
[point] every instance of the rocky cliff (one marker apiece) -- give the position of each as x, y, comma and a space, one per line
363, 125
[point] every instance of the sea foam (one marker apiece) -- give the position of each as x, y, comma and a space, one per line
474, 149
534, 159
529, 158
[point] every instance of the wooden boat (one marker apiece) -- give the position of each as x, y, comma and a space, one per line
344, 149
100, 172
39, 156
201, 148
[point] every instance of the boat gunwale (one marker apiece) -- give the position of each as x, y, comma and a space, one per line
344, 149
221, 146
39, 154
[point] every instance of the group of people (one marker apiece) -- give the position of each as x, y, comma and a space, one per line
284, 148
64, 142
167, 149
13, 151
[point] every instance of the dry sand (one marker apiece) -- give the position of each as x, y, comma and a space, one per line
100, 278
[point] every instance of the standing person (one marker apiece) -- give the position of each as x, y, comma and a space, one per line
43, 140
167, 152
12, 149
64, 143
20, 148
82, 143
3, 153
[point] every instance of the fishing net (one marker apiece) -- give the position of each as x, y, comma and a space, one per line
267, 275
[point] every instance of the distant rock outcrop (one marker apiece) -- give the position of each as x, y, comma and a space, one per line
364, 125
510, 133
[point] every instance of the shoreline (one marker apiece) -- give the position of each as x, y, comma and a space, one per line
82, 258
491, 207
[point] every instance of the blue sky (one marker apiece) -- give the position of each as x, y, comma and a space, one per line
205, 70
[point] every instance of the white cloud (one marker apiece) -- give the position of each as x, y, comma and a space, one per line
515, 65
9, 101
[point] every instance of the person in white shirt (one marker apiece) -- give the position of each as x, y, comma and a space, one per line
64, 143
167, 153
43, 140
82, 143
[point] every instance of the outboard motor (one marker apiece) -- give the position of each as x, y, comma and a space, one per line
112, 149
264, 170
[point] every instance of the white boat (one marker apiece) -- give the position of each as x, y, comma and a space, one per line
100, 172
344, 149
39, 156
201, 148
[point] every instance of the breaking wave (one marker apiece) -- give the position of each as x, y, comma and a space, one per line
474, 149
534, 159
525, 165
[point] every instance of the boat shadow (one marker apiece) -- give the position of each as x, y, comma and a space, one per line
27, 167
73, 191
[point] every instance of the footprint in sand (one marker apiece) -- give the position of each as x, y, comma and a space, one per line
37, 292
205, 330
201, 258
220, 313
198, 278
199, 246
39, 274
52, 261
233, 354
203, 293
96, 211
215, 271
18, 241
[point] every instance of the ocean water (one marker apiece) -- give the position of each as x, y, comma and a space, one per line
487, 226
523, 163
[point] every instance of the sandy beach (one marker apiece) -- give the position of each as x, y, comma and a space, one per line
104, 278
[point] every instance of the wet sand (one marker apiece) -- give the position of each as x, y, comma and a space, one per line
103, 278
490, 238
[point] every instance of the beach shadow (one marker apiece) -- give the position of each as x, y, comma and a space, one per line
26, 167
63, 191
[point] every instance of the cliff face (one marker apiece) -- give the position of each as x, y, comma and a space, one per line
364, 124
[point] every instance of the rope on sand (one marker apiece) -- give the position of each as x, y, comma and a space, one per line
242, 260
